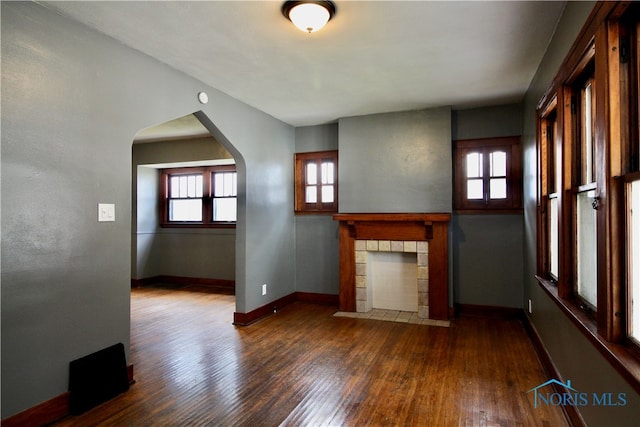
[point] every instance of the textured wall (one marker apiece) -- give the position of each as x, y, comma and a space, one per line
396, 162
72, 101
487, 249
317, 255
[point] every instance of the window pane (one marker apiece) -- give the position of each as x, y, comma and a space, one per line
311, 194
553, 237
228, 184
587, 248
587, 134
474, 165
498, 163
224, 209
225, 184
183, 186
191, 186
633, 219
475, 189
498, 188
185, 210
312, 174
327, 173
198, 185
327, 194
174, 186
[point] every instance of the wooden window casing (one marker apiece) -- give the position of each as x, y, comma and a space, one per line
595, 173
473, 187
207, 197
316, 193
549, 143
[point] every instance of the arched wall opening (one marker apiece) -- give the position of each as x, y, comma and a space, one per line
183, 254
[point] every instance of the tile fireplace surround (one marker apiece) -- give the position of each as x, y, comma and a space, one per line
425, 234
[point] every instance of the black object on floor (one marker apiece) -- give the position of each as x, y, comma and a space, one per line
96, 378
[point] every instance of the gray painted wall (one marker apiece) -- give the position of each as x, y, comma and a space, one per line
396, 162
573, 355
487, 249
317, 254
186, 252
72, 101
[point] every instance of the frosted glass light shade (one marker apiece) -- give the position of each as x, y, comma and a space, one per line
308, 16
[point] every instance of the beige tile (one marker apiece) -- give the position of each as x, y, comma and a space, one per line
423, 285
423, 312
423, 273
361, 257
372, 245
409, 246
423, 297
423, 260
422, 247
397, 246
384, 245
361, 281
361, 245
361, 306
361, 269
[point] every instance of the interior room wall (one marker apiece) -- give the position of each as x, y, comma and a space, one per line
72, 102
184, 252
487, 248
317, 255
573, 355
396, 162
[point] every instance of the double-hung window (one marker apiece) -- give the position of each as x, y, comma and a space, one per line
630, 169
585, 187
548, 225
589, 185
199, 197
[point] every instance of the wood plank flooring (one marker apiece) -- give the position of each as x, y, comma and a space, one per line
305, 367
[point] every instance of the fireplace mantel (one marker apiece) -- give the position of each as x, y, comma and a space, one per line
431, 227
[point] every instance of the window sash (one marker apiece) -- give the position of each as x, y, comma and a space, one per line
632, 217
553, 237
199, 196
486, 174
316, 182
586, 248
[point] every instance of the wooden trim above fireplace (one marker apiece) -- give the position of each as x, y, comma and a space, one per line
431, 227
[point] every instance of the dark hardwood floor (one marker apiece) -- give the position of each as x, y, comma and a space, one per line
304, 367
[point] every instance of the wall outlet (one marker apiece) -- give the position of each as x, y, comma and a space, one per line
264, 289
530, 308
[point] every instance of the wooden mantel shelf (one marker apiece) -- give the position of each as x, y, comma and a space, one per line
392, 217
431, 227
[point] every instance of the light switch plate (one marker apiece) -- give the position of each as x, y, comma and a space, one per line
106, 212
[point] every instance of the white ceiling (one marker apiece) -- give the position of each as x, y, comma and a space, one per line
372, 57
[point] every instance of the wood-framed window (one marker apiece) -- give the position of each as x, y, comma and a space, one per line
199, 197
487, 175
549, 197
581, 111
628, 30
597, 179
316, 182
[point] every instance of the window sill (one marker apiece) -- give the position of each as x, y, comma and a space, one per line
315, 212
518, 211
619, 356
196, 225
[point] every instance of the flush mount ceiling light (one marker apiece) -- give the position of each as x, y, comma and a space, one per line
309, 16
